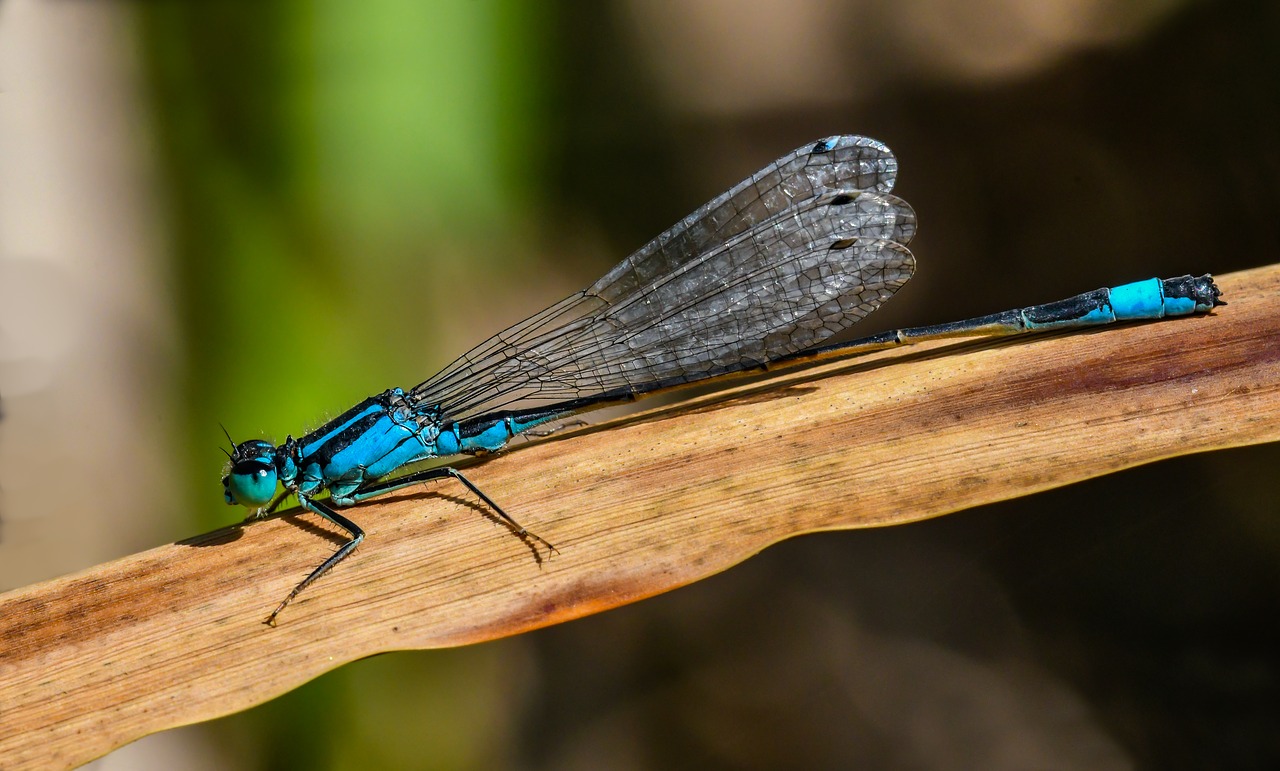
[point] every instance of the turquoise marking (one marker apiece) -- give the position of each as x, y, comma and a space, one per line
492, 439
288, 469
448, 443
411, 448
489, 438
370, 447
1103, 315
1139, 300
312, 481
318, 441
341, 487
495, 436
1181, 306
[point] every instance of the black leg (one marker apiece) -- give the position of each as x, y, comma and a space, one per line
357, 535
427, 475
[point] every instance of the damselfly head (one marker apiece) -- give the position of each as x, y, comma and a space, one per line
251, 479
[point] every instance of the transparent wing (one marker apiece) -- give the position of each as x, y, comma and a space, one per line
790, 256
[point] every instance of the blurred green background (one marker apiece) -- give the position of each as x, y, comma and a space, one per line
256, 214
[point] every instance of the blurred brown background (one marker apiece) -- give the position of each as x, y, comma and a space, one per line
257, 214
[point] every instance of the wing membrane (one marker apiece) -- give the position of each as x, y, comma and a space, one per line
790, 256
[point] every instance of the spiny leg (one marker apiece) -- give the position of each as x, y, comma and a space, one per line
357, 535
428, 475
